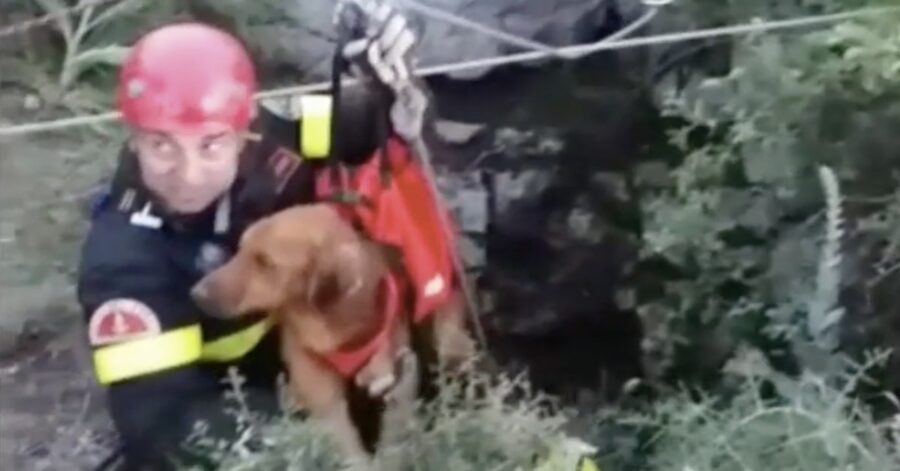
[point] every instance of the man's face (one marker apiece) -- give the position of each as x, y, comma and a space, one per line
188, 171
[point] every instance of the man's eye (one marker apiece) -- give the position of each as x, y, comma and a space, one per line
162, 146
213, 146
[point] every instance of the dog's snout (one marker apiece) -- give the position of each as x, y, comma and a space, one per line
201, 294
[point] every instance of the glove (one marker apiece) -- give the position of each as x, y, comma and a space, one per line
381, 50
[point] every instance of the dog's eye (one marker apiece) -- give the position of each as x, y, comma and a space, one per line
262, 261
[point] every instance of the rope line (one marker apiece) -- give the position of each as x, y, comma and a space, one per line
613, 42
19, 28
465, 23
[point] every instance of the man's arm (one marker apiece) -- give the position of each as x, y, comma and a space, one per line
157, 390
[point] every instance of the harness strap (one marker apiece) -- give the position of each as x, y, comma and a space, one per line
339, 65
347, 361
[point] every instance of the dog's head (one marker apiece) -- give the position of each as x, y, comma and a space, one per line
303, 259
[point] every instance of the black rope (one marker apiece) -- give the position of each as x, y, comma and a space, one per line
351, 25
338, 66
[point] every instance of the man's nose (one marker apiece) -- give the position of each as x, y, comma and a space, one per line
192, 171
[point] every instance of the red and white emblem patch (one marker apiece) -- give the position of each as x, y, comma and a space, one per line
283, 164
118, 320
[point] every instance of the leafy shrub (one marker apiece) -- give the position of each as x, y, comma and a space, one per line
771, 421
759, 417
735, 220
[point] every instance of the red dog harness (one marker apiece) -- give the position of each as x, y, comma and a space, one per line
392, 203
347, 361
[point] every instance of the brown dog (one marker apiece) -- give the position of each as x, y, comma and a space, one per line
343, 307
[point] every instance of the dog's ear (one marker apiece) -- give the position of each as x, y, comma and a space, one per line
338, 272
390, 254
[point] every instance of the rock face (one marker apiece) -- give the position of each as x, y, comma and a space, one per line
543, 195
299, 34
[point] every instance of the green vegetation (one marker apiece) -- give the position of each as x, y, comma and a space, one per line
768, 276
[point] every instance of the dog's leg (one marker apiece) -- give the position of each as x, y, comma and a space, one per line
400, 401
452, 341
322, 392
378, 375
393, 375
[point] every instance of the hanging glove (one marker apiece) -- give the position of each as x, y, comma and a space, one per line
380, 50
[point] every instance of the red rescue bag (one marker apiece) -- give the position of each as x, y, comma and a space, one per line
393, 203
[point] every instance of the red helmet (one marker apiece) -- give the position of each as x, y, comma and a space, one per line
185, 76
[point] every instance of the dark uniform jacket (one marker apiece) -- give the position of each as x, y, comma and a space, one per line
157, 262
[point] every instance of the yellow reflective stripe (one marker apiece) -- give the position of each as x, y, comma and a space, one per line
315, 126
236, 345
171, 349
588, 464
561, 460
148, 355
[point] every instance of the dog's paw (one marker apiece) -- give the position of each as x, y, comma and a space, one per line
382, 385
375, 386
407, 384
401, 374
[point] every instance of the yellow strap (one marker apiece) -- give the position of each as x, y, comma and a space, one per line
139, 357
236, 345
315, 126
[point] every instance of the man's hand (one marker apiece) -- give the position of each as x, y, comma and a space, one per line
384, 53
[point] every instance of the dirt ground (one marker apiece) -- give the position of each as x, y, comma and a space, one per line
52, 414
51, 411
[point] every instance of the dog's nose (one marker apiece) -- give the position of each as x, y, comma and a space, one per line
200, 293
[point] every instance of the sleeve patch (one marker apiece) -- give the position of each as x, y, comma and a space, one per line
283, 164
120, 320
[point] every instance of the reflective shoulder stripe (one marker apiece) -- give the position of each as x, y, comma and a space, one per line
315, 126
148, 355
236, 345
